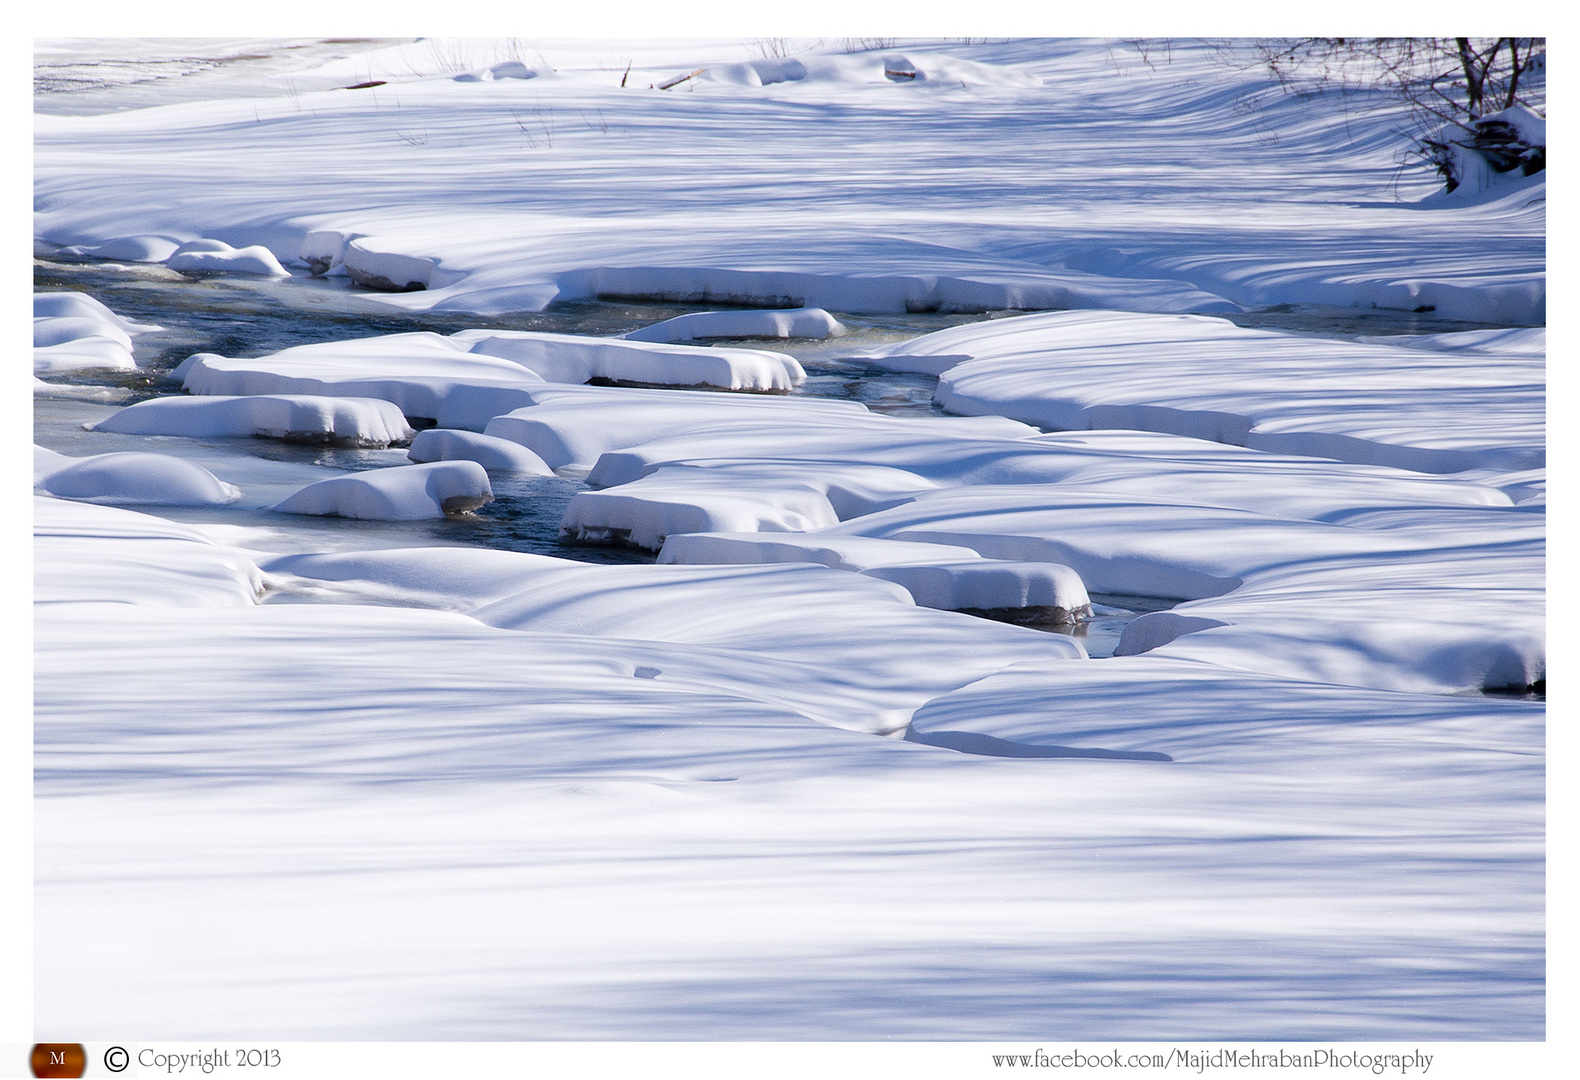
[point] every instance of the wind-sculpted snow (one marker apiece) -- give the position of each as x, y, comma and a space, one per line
349, 421
1010, 174
1428, 410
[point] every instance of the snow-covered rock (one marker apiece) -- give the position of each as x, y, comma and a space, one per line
131, 478
700, 325
64, 328
495, 455
218, 257
348, 421
570, 358
81, 305
404, 493
135, 249
993, 585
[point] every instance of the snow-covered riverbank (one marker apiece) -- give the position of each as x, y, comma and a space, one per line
374, 776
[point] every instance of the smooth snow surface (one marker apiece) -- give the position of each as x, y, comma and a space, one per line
405, 494
350, 421
132, 478
1428, 410
1006, 175
799, 323
317, 757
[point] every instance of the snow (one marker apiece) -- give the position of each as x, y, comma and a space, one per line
1432, 410
378, 779
699, 325
495, 455
134, 249
218, 257
455, 380
133, 478
368, 422
99, 555
1011, 174
409, 493
54, 305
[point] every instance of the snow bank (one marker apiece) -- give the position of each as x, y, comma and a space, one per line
347, 421
907, 68
495, 455
67, 328
74, 332
1108, 187
874, 292
570, 358
1361, 602
567, 425
465, 380
132, 478
1428, 411
936, 575
853, 553
53, 305
404, 493
218, 257
135, 249
106, 556
699, 325
423, 374
993, 585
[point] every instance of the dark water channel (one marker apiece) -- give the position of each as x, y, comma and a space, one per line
252, 317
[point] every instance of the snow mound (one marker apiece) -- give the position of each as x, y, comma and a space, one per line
89, 353
509, 69
324, 251
136, 249
571, 358
133, 478
218, 257
344, 421
403, 493
61, 329
869, 68
423, 374
494, 454
745, 497
777, 323
61, 304
993, 585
